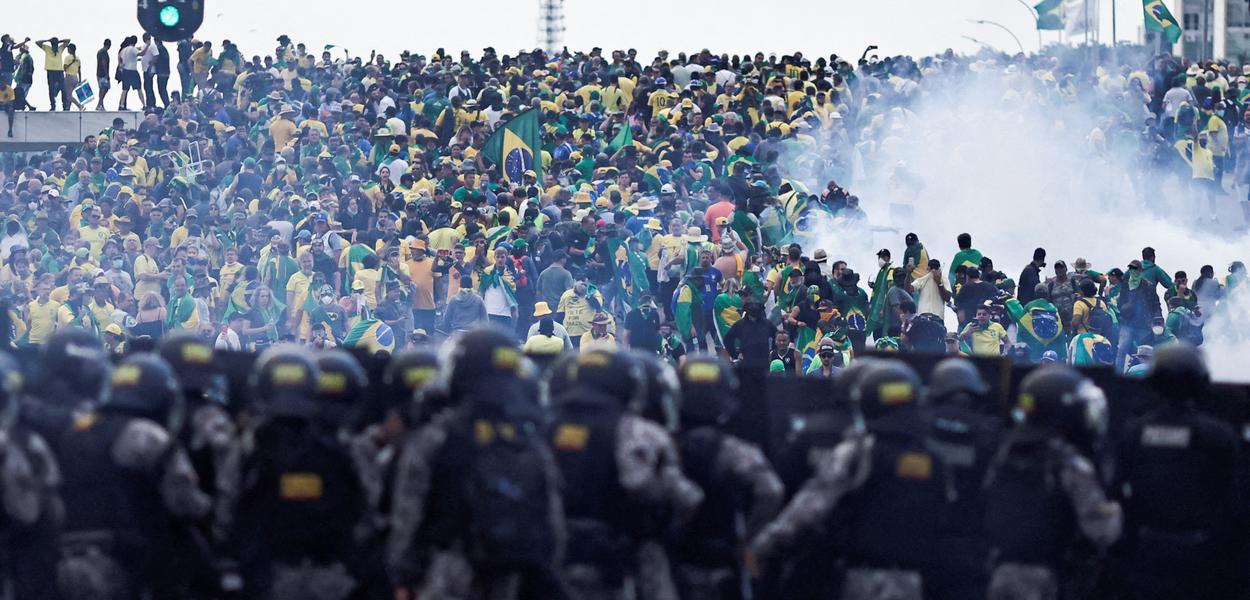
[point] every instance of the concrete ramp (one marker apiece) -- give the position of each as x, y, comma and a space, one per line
35, 131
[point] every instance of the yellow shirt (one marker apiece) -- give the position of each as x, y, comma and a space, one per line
370, 278
42, 320
987, 342
659, 100
588, 342
178, 236
96, 236
281, 131
103, 313
544, 345
73, 65
199, 60
226, 277
296, 288
145, 266
52, 60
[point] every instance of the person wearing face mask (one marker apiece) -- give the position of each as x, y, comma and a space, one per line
328, 316
878, 310
1134, 301
465, 310
642, 326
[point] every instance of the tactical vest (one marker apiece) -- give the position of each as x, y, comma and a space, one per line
965, 440
583, 437
301, 492
712, 538
895, 516
1028, 517
816, 431
104, 497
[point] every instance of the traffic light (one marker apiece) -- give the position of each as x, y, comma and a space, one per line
171, 20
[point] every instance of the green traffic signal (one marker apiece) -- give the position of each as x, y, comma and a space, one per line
170, 16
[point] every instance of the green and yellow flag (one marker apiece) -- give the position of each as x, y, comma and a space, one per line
624, 137
1049, 14
515, 146
1159, 18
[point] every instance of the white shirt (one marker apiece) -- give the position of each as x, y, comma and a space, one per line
130, 58
496, 302
228, 340
149, 57
930, 300
398, 167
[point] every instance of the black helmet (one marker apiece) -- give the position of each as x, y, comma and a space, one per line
191, 358
484, 359
957, 381
885, 387
409, 371
73, 363
709, 391
1178, 372
341, 386
144, 385
284, 382
663, 391
849, 377
614, 374
1057, 398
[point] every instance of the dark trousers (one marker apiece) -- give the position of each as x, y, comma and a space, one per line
423, 318
56, 89
504, 322
149, 93
162, 86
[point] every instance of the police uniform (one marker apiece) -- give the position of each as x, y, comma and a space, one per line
888, 487
733, 475
621, 471
128, 484
1177, 478
1041, 492
29, 482
453, 535
301, 499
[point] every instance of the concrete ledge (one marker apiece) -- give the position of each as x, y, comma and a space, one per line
34, 131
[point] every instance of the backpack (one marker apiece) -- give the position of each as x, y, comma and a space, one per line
507, 494
1098, 320
1045, 324
1189, 329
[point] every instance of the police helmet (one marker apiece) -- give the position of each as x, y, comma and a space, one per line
191, 358
957, 381
144, 385
885, 387
1178, 372
617, 375
340, 386
1057, 398
663, 391
73, 362
284, 382
709, 391
409, 371
485, 359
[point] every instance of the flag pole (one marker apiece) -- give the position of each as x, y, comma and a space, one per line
1033, 13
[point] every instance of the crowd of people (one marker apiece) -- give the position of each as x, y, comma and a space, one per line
606, 473
331, 200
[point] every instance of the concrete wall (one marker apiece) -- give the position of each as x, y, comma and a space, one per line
34, 131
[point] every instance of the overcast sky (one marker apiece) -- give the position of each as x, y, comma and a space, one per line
814, 26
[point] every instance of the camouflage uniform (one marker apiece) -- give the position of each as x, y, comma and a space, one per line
88, 567
32, 511
743, 465
440, 573
1098, 519
213, 431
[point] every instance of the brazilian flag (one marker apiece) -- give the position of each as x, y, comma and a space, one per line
625, 137
655, 178
515, 146
1049, 14
371, 334
351, 260
1159, 18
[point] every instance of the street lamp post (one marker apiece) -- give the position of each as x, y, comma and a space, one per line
1000, 26
1033, 13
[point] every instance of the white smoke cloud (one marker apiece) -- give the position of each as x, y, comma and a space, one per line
1003, 161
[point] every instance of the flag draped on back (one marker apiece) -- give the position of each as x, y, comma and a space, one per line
515, 146
371, 334
352, 260
625, 137
1049, 14
1159, 18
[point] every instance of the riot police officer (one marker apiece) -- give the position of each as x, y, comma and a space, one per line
209, 434
965, 434
476, 509
127, 485
1041, 493
301, 497
72, 372
621, 471
736, 480
1177, 479
887, 487
29, 483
